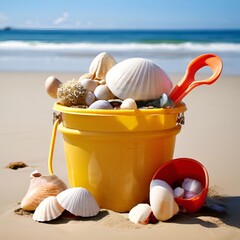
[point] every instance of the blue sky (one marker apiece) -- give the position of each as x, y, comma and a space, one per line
121, 14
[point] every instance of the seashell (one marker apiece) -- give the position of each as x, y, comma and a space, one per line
192, 185
140, 213
162, 201
40, 188
128, 103
79, 202
179, 192
102, 92
48, 210
101, 65
89, 84
138, 78
189, 194
158, 182
102, 82
101, 104
86, 76
71, 93
90, 98
51, 86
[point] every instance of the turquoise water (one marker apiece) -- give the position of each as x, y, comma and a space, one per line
73, 50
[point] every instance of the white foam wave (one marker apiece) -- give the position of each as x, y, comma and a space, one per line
120, 47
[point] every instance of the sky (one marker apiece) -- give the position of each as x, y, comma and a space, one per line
120, 14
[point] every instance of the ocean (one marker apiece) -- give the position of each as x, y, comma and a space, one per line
73, 50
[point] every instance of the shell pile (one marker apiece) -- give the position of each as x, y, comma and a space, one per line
48, 197
134, 82
162, 203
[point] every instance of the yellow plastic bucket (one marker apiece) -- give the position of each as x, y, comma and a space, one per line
115, 153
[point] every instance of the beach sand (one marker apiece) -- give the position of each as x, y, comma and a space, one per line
211, 135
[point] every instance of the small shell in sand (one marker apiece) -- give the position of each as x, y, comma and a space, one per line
140, 213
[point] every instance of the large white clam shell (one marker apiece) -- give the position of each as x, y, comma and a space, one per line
40, 188
79, 202
138, 78
48, 210
140, 213
162, 201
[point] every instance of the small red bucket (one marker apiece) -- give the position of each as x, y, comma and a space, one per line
174, 171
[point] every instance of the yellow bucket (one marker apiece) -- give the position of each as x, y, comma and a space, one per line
115, 153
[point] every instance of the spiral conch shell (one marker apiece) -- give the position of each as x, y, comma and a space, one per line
162, 200
101, 65
138, 78
40, 188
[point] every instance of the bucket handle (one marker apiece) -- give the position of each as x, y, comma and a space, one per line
52, 145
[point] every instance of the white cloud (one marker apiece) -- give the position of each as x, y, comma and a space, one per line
61, 19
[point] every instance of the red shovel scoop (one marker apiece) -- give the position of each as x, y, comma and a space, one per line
189, 82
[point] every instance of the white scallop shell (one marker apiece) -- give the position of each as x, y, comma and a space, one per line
162, 201
140, 213
128, 103
101, 65
79, 202
192, 185
138, 78
48, 210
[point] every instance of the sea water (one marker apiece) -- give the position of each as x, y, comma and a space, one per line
73, 50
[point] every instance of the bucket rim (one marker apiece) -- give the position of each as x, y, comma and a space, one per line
84, 111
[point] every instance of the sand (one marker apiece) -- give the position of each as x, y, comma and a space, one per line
210, 135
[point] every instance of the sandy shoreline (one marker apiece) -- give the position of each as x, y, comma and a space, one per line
210, 135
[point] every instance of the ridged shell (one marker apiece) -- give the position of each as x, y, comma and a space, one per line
79, 202
140, 213
138, 78
40, 188
48, 210
128, 103
101, 65
162, 201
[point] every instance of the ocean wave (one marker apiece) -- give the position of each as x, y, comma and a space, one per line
120, 47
